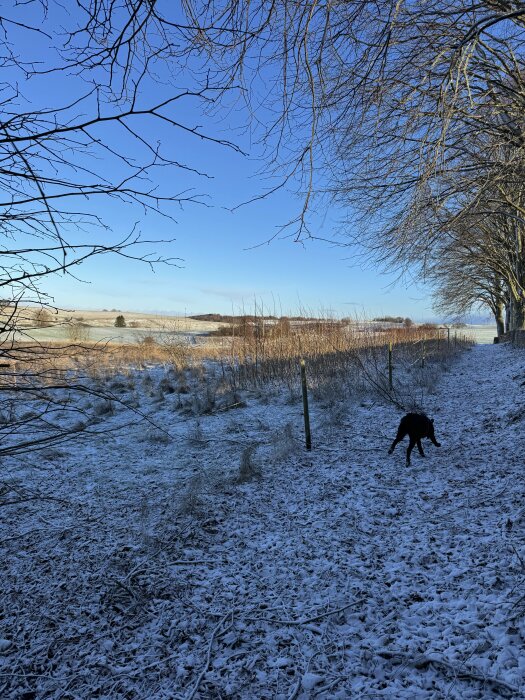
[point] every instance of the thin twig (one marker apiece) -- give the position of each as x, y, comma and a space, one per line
306, 620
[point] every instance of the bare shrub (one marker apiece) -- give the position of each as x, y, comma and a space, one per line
267, 352
42, 318
428, 378
177, 350
78, 332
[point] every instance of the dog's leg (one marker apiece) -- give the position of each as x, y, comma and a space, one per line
411, 445
420, 448
400, 435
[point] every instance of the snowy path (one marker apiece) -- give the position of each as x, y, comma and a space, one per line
339, 574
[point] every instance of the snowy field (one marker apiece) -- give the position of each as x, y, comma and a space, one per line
138, 565
116, 335
482, 334
99, 327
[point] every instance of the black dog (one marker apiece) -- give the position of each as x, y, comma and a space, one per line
416, 426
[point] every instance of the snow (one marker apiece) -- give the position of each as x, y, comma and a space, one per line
137, 564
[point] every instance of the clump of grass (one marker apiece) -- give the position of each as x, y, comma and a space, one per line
145, 521
166, 385
104, 408
203, 401
190, 502
155, 436
196, 435
247, 468
283, 442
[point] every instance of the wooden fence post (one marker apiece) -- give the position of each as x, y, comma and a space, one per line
306, 412
390, 383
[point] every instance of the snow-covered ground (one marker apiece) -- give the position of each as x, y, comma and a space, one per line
483, 334
138, 565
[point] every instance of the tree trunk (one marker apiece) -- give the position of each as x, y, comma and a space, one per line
500, 320
517, 315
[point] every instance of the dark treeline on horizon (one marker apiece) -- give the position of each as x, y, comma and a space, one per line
247, 318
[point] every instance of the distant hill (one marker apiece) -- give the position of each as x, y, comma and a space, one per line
219, 318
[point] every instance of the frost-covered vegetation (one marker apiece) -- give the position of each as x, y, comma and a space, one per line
186, 545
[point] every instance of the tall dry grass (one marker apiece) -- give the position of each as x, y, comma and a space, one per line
270, 353
258, 354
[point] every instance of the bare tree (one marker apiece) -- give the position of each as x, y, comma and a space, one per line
464, 279
450, 187
93, 100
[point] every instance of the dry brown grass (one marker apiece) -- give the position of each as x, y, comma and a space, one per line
329, 347
74, 358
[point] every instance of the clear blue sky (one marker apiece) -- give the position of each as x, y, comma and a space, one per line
226, 263
222, 271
